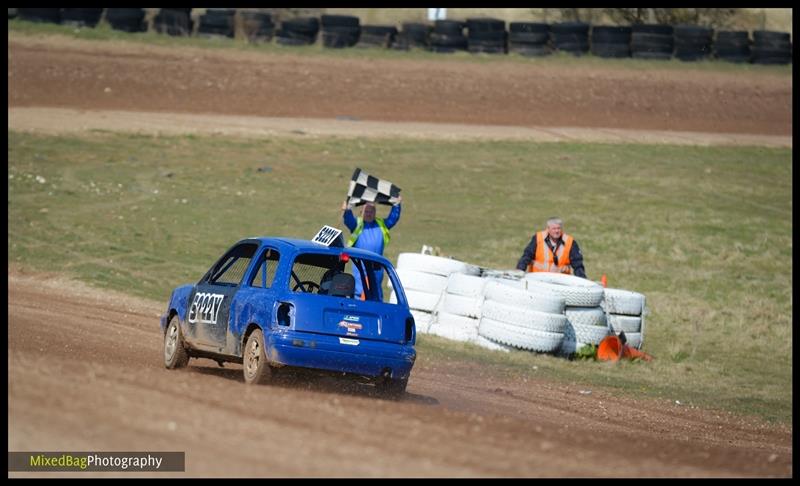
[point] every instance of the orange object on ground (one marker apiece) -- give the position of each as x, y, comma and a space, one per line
603, 280
612, 349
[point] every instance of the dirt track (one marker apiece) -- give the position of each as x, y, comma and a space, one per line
69, 73
85, 373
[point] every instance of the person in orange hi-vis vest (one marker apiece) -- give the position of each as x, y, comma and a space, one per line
552, 250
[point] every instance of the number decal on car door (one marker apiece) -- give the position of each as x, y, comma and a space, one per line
205, 308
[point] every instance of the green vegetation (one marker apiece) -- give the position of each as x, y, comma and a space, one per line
704, 233
21, 28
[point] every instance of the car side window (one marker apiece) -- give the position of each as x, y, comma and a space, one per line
230, 270
265, 273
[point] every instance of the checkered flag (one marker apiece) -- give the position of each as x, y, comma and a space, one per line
366, 188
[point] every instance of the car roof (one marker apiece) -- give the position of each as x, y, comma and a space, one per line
298, 245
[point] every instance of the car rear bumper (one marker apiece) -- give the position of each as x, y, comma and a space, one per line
322, 351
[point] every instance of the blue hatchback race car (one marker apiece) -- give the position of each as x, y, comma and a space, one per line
274, 302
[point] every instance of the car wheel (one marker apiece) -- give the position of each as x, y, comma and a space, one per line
394, 389
256, 368
175, 355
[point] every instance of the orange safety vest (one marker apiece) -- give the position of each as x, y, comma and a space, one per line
543, 260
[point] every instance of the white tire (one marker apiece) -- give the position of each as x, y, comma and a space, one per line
462, 306
466, 285
421, 281
517, 284
542, 301
619, 301
585, 334
634, 339
418, 300
434, 264
491, 345
576, 291
519, 337
619, 323
422, 320
456, 328
586, 316
519, 316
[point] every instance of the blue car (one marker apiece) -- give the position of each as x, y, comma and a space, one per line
275, 302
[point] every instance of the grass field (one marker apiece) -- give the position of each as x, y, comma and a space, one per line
704, 233
24, 29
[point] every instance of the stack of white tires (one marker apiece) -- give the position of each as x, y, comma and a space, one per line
514, 317
625, 312
424, 279
456, 316
586, 319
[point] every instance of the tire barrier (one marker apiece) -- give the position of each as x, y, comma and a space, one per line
576, 291
502, 310
301, 31
81, 17
693, 43
257, 26
625, 312
454, 327
339, 31
732, 46
216, 22
652, 41
448, 36
377, 36
533, 39
530, 39
608, 41
173, 21
422, 320
49, 15
126, 19
486, 35
413, 35
771, 47
571, 37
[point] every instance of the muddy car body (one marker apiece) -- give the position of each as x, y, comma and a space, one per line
274, 302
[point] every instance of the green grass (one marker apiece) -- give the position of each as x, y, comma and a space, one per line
21, 28
704, 233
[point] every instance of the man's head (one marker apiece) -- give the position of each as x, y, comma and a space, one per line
369, 212
554, 228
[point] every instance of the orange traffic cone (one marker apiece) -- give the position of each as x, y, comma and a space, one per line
603, 280
612, 348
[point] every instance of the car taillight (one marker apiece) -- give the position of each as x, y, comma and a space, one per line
410, 327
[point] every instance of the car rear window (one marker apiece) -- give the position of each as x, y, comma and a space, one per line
311, 272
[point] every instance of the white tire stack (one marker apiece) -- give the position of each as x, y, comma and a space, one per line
514, 317
424, 279
456, 316
625, 311
586, 320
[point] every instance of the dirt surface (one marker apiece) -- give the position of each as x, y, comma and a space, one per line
86, 373
69, 73
59, 121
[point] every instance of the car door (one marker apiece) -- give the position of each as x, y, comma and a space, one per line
254, 303
208, 317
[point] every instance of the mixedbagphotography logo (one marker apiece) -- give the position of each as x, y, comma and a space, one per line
96, 461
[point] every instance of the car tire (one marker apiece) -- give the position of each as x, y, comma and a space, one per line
255, 366
175, 355
393, 388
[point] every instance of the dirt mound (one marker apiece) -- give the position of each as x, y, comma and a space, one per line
86, 373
